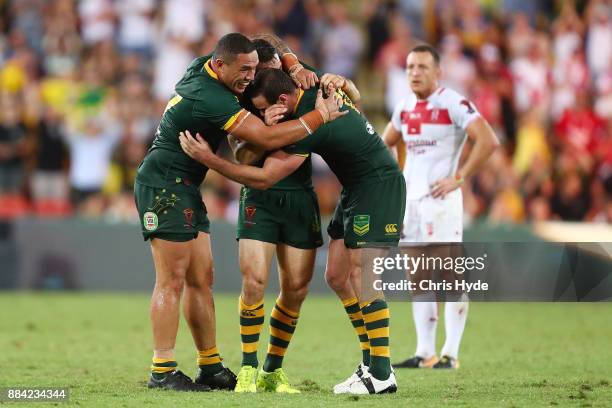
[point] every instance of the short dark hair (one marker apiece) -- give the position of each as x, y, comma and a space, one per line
270, 83
427, 48
232, 44
265, 50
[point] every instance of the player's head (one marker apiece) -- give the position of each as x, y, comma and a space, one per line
235, 60
272, 86
268, 56
423, 70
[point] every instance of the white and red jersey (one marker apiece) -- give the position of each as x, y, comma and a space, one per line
434, 133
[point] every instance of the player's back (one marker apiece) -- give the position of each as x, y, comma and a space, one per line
349, 145
200, 104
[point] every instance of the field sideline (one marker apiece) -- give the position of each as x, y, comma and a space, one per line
513, 355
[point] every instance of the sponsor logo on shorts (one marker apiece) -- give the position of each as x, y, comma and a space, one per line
391, 229
150, 221
249, 213
188, 213
361, 224
316, 227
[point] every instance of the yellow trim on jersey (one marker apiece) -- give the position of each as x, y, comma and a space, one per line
301, 154
210, 71
173, 101
347, 101
299, 99
231, 120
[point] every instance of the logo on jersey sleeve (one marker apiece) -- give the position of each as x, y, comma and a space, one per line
361, 224
369, 128
468, 105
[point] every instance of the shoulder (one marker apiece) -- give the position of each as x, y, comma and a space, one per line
215, 95
450, 99
448, 96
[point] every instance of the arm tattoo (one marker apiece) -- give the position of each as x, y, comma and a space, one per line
276, 42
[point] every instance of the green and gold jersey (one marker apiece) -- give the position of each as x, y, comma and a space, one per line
349, 145
201, 104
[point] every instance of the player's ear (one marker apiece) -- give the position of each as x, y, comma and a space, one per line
282, 99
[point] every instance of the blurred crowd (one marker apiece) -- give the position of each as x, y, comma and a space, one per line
83, 85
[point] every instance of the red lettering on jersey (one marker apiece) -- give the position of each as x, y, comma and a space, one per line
423, 116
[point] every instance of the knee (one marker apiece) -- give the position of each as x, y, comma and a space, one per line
201, 281
253, 285
336, 279
297, 289
173, 281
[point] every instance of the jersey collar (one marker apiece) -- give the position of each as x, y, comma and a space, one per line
436, 92
209, 70
299, 99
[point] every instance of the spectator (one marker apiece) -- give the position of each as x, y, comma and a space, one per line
49, 187
458, 71
571, 202
13, 144
599, 37
342, 43
136, 27
531, 75
97, 20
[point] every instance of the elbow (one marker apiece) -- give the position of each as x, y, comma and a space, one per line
261, 185
494, 144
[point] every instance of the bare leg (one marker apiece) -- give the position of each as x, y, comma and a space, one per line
255, 258
337, 271
295, 273
171, 263
199, 306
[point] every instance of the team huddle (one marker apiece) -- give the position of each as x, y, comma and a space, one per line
275, 111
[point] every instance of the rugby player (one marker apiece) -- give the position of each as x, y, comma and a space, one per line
284, 218
434, 124
170, 206
365, 168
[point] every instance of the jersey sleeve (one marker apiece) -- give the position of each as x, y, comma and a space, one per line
461, 110
396, 117
219, 107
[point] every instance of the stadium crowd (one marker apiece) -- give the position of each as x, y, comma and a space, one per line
83, 85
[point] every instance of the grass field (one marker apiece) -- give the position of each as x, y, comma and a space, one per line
513, 355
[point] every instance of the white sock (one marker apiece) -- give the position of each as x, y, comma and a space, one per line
425, 314
455, 315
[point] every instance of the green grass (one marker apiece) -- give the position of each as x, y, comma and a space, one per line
513, 355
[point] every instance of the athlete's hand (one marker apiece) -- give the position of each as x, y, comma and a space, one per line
328, 80
330, 107
441, 188
303, 78
274, 113
198, 149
